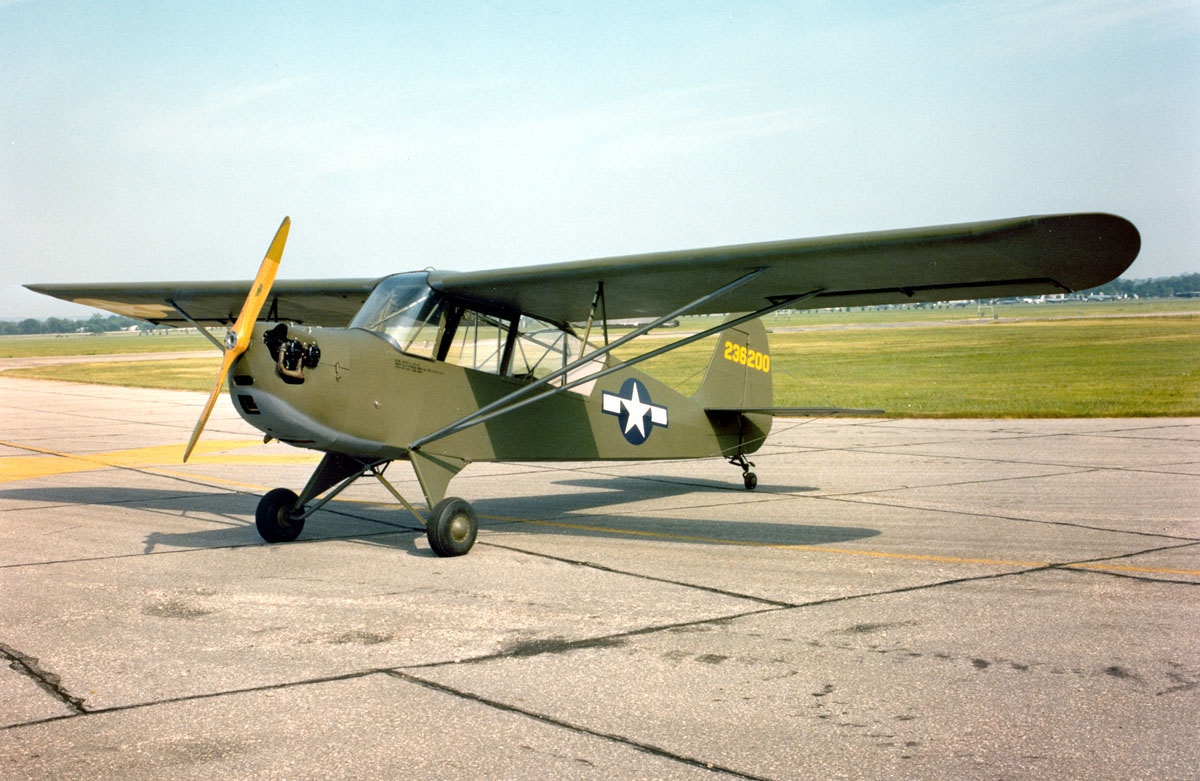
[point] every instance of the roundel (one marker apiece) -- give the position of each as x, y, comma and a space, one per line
636, 413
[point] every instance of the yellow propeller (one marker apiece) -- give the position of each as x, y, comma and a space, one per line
238, 338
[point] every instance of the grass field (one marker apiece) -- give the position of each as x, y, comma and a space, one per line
972, 312
1066, 362
101, 344
1054, 368
174, 374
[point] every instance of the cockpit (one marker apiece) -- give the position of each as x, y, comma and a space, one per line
418, 320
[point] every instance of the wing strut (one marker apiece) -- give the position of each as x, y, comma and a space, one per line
197, 326
597, 300
508, 403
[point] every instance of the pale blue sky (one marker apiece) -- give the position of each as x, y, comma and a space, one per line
149, 141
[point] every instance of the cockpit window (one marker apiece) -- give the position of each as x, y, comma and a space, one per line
406, 311
418, 320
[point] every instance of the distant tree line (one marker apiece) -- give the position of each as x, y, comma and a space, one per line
1162, 287
96, 324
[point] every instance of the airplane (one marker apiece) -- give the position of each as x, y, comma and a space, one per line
443, 368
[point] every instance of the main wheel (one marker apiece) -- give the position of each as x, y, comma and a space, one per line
274, 517
750, 479
452, 527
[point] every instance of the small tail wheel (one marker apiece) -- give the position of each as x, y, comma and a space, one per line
749, 479
452, 527
275, 517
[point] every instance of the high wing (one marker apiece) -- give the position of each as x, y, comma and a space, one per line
324, 302
1022, 256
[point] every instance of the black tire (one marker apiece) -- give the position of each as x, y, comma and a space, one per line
274, 516
751, 480
452, 527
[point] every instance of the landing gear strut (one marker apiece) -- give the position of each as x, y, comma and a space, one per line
749, 479
451, 526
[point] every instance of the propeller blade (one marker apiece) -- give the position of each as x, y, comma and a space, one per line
212, 400
238, 338
259, 290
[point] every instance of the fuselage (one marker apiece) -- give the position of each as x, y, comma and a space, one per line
363, 395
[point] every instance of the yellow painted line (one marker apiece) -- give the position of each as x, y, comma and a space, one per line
53, 462
842, 551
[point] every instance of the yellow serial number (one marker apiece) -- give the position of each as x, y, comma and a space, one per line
747, 357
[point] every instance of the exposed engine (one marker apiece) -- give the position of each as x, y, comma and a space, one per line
292, 356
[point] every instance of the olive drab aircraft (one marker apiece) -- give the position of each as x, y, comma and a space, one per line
443, 368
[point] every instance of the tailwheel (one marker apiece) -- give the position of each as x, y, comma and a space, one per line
452, 527
749, 479
276, 516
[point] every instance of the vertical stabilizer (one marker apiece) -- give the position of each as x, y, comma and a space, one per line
739, 377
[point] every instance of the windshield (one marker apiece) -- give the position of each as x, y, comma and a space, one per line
418, 320
406, 311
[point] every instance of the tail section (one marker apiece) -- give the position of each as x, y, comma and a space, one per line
739, 372
738, 379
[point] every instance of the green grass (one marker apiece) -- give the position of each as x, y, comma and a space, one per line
176, 374
1058, 367
100, 344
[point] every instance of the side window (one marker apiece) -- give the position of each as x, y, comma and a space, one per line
422, 335
478, 342
540, 349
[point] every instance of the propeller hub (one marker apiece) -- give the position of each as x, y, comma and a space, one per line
231, 339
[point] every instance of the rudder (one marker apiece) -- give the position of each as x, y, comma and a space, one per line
739, 377
739, 372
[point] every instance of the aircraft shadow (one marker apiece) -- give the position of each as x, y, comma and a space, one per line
573, 511
229, 517
674, 485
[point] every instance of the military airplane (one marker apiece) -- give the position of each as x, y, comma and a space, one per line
432, 367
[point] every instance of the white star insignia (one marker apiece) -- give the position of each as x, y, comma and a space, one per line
640, 412
637, 413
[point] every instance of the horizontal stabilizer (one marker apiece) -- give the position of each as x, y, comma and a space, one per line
798, 412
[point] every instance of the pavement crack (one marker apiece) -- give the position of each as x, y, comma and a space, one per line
29, 667
638, 575
1082, 565
269, 687
559, 645
648, 748
993, 516
50, 682
954, 484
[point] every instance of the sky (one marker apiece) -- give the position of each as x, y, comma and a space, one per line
166, 141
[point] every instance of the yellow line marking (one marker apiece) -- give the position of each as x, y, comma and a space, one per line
842, 551
52, 462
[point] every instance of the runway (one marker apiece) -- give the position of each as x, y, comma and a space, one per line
916, 598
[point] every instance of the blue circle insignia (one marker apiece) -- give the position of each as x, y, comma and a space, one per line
636, 413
